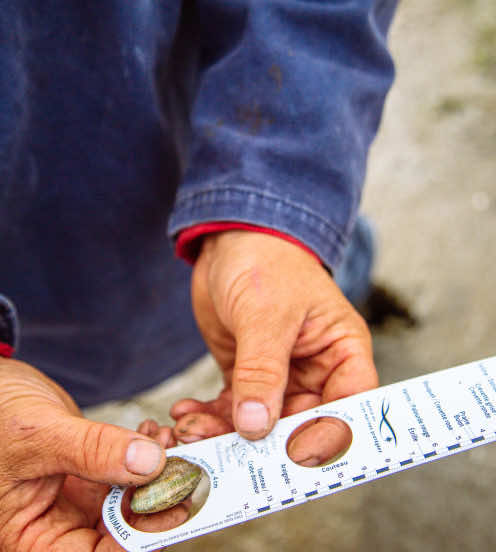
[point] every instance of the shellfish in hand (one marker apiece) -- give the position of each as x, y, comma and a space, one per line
178, 480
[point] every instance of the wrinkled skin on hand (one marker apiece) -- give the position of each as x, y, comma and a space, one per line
285, 338
55, 469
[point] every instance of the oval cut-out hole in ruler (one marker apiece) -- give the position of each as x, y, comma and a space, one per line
319, 441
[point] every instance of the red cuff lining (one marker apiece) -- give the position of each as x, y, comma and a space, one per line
189, 241
6, 350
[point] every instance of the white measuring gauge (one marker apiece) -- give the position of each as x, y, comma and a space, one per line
394, 427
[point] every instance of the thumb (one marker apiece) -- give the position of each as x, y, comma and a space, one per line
264, 342
95, 451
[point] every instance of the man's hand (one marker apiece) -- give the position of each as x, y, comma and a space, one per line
55, 468
285, 338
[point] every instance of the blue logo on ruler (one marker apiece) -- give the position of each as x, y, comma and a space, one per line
385, 428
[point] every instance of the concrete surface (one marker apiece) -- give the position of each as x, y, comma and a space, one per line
431, 190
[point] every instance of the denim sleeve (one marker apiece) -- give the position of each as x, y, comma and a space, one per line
289, 98
9, 327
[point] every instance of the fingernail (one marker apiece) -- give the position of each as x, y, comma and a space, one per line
310, 462
191, 438
143, 457
253, 417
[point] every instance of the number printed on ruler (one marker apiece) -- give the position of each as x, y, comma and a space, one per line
394, 427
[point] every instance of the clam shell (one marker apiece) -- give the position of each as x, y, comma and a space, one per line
178, 480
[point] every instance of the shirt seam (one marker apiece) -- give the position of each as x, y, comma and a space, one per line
184, 197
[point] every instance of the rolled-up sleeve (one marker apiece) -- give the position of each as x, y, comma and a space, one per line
289, 98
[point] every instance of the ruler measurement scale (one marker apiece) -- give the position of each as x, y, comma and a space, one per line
394, 427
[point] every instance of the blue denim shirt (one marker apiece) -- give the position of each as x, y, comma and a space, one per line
122, 121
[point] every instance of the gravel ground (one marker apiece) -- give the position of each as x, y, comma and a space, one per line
430, 190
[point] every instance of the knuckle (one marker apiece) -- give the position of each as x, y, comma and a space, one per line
236, 299
94, 454
356, 328
351, 348
356, 322
263, 372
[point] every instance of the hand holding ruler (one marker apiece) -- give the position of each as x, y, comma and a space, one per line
394, 428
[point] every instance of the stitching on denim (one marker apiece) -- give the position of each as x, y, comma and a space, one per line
327, 244
185, 196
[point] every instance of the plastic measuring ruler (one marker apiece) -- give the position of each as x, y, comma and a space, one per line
394, 427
